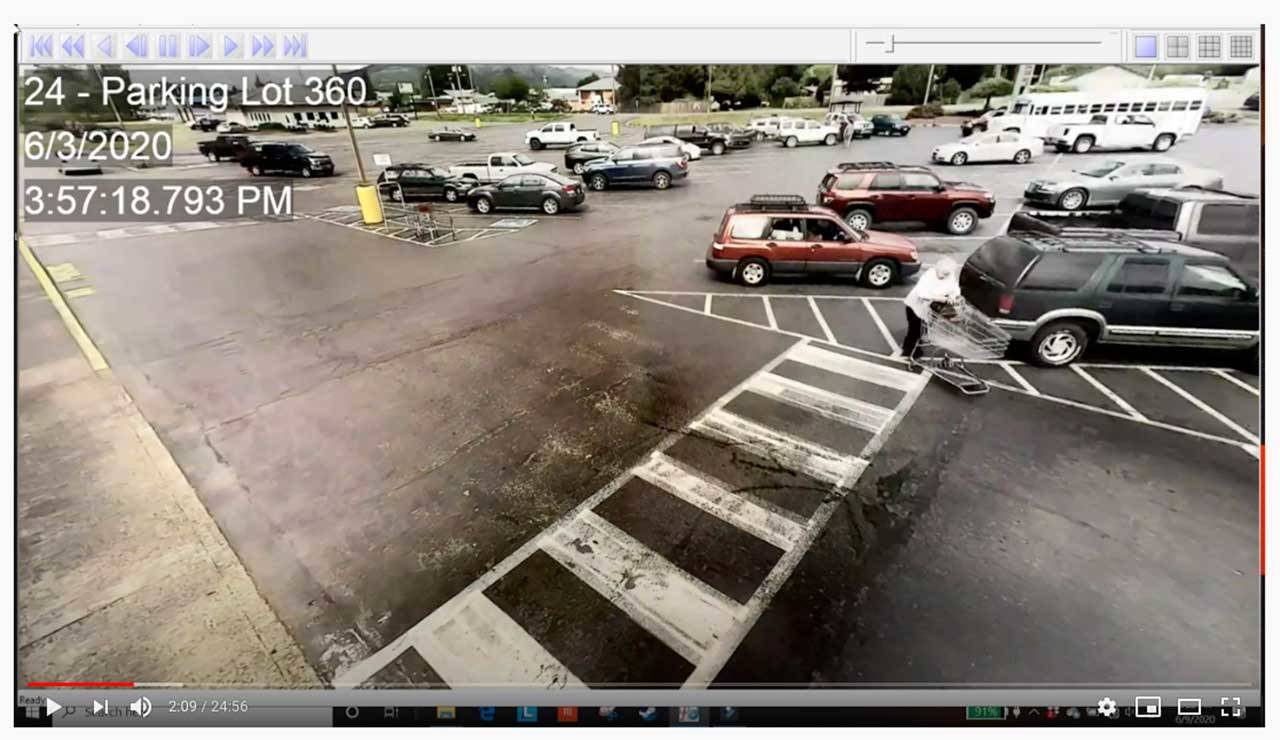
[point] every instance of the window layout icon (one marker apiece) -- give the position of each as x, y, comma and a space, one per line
1241, 47
1145, 46
1177, 46
1210, 47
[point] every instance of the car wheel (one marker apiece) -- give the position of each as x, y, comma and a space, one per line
662, 180
306, 171
550, 206
858, 218
484, 205
880, 273
753, 272
717, 148
578, 168
1059, 344
397, 195
258, 171
792, 142
1083, 144
581, 140
962, 221
1073, 200
451, 195
1163, 142
598, 182
830, 140
535, 144
212, 157
959, 158
759, 136
435, 138
1022, 157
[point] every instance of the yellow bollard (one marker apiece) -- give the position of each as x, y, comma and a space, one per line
613, 129
477, 121
370, 205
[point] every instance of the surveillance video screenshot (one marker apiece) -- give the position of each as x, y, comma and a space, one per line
595, 373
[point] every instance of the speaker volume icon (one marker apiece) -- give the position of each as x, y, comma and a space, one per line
141, 707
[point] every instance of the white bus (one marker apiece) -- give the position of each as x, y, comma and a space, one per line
1172, 108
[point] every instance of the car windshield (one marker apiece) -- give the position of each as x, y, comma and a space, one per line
1102, 169
522, 160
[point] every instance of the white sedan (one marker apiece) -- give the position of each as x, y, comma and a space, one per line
693, 150
1001, 146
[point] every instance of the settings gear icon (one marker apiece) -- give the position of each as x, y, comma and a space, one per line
1106, 707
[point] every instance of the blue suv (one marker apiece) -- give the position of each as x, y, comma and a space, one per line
636, 166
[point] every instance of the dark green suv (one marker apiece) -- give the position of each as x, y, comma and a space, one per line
1063, 292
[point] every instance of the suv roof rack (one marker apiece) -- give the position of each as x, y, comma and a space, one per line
774, 202
1034, 231
854, 166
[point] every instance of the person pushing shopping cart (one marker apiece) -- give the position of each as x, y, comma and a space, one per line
944, 330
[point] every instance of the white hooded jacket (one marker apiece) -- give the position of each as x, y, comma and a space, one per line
938, 283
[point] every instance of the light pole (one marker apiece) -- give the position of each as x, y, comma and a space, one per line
928, 85
366, 194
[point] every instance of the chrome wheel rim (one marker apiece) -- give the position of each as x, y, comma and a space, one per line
577, 168
962, 221
752, 274
1022, 157
1059, 348
550, 207
451, 195
1072, 201
960, 158
880, 275
662, 181
1084, 145
597, 182
483, 205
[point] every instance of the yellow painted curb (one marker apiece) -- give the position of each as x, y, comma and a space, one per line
90, 350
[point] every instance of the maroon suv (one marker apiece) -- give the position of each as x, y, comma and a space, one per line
864, 193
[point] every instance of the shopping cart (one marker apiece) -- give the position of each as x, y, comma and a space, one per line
953, 333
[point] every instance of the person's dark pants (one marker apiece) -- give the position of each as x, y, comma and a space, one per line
914, 326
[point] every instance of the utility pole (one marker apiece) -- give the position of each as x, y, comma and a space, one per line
431, 83
835, 82
351, 132
928, 85
710, 67
1152, 74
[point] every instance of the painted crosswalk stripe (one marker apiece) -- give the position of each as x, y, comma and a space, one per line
884, 330
855, 368
1228, 376
706, 305
768, 312
822, 322
1104, 390
677, 608
820, 401
814, 460
1211, 411
715, 498
477, 644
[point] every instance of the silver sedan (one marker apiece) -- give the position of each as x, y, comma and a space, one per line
1105, 183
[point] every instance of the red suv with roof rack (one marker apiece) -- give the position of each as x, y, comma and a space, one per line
785, 235
864, 193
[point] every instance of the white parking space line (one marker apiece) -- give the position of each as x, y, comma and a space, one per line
1211, 411
1233, 379
479, 645
822, 321
683, 612
824, 403
884, 330
855, 368
768, 312
814, 460
1017, 376
715, 498
1104, 390
706, 305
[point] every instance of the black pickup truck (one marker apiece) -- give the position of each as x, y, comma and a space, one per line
226, 146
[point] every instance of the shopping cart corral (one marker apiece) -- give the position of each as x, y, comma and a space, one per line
953, 333
421, 222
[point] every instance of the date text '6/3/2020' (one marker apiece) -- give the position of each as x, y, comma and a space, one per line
122, 200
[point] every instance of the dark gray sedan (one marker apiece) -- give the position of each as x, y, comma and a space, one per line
550, 193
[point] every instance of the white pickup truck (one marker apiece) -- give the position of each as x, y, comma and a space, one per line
498, 165
559, 133
1110, 131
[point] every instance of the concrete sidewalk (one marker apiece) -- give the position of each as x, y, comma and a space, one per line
122, 574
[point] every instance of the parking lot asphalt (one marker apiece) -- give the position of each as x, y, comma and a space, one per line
566, 453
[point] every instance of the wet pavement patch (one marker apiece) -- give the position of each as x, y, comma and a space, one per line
742, 308
783, 417
752, 477
407, 670
845, 385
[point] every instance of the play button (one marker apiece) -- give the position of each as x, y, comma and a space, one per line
51, 706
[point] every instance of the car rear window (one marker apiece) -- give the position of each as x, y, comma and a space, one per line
1143, 211
1229, 219
1003, 259
1062, 271
749, 227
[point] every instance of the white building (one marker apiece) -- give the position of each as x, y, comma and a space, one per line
1102, 79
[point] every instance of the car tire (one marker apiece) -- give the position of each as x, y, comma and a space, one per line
484, 205
1073, 199
397, 195
830, 140
1059, 343
1163, 142
451, 195
959, 158
879, 273
962, 221
759, 136
535, 144
578, 168
1013, 130
856, 216
550, 206
580, 140
752, 272
306, 171
597, 182
1022, 156
258, 171
662, 180
212, 157
717, 148
1082, 144
792, 142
